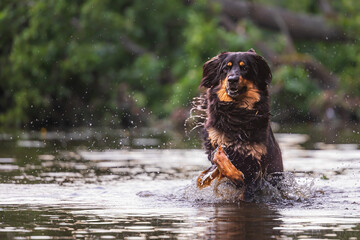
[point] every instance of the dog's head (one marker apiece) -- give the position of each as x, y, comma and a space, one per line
236, 75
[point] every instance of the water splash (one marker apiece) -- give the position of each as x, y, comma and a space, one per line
217, 192
287, 188
197, 116
295, 188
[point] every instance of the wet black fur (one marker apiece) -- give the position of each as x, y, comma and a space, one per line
241, 125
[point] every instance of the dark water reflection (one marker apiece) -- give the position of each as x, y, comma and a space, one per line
211, 222
105, 185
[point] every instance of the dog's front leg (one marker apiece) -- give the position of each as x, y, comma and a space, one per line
226, 168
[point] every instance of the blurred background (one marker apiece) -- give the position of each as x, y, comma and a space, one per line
132, 63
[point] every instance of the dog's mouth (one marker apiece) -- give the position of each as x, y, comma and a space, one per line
235, 92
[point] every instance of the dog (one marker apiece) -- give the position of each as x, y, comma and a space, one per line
237, 134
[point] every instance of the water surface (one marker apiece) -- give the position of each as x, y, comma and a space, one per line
96, 185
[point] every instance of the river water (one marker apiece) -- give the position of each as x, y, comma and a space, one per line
113, 185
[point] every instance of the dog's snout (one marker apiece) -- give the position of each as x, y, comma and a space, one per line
233, 78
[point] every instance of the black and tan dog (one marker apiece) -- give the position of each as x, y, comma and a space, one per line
237, 134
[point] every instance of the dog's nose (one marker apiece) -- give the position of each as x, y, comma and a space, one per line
233, 78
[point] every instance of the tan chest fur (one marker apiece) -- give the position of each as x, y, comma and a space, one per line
218, 138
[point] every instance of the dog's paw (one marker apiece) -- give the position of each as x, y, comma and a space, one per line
226, 168
207, 176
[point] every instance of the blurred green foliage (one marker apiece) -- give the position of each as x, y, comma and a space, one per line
72, 63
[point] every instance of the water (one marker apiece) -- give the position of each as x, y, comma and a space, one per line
104, 185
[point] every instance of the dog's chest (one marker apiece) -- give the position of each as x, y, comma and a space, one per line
219, 138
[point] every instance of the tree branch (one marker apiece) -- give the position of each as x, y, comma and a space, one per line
300, 26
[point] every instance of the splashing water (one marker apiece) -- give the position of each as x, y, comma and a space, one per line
197, 116
289, 188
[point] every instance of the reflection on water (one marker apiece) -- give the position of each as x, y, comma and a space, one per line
216, 222
89, 185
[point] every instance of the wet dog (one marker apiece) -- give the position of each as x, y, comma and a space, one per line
237, 134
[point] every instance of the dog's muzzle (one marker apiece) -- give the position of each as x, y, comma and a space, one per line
234, 86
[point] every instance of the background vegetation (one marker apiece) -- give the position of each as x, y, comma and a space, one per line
124, 63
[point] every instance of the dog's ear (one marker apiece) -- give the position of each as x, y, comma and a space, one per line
211, 71
251, 50
263, 70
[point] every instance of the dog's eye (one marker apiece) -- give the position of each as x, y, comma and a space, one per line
227, 67
243, 67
